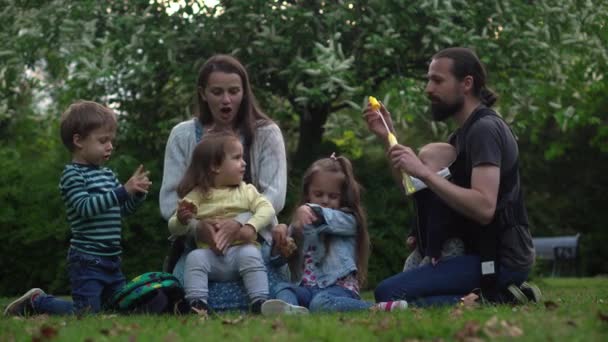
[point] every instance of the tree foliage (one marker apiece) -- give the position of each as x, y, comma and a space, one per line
312, 64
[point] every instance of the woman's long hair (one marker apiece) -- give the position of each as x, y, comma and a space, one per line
249, 114
208, 154
350, 200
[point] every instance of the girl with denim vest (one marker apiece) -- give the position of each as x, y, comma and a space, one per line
330, 230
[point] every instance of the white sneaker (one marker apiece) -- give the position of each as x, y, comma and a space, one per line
22, 306
278, 307
394, 305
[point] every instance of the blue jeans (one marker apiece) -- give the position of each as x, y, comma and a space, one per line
94, 280
443, 284
334, 298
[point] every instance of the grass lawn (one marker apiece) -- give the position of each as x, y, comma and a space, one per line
573, 309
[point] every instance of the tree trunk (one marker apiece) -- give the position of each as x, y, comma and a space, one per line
311, 131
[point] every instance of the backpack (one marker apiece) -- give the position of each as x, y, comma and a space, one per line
152, 292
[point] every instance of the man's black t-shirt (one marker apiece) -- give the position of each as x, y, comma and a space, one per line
489, 141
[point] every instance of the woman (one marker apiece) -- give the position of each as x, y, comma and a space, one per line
226, 103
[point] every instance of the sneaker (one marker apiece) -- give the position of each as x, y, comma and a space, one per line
256, 306
23, 305
278, 307
518, 296
531, 291
199, 306
393, 305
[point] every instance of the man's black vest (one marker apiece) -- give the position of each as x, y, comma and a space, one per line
510, 209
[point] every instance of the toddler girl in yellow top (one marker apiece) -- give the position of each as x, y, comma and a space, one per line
213, 187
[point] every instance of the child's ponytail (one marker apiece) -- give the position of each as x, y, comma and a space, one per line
351, 198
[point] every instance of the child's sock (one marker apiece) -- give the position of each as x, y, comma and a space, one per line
393, 305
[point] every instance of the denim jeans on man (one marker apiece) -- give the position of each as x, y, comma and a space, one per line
94, 279
334, 298
442, 284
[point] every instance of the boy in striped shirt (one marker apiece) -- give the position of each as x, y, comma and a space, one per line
95, 202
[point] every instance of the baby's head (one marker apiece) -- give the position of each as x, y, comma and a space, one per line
87, 130
217, 161
437, 156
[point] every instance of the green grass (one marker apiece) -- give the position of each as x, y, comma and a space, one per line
573, 309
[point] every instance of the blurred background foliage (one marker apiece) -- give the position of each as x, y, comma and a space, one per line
312, 64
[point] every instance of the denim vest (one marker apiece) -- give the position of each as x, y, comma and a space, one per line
339, 259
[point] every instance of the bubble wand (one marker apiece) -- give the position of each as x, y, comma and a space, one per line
392, 141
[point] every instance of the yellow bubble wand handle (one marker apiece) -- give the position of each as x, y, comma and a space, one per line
392, 141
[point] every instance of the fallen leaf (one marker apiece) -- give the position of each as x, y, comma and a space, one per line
511, 329
470, 332
111, 316
233, 321
417, 312
48, 332
384, 324
494, 328
201, 313
40, 318
550, 305
171, 337
571, 323
470, 300
277, 325
456, 312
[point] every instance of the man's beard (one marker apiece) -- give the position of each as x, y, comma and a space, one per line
442, 110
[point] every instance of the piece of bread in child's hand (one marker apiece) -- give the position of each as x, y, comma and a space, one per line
186, 203
286, 249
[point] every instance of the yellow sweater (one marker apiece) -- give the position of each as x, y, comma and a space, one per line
227, 203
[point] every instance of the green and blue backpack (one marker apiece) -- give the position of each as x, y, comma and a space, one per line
152, 292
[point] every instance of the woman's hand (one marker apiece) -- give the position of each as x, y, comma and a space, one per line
374, 121
279, 236
227, 231
205, 233
403, 158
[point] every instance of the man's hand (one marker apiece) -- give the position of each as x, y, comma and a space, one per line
139, 182
403, 158
374, 121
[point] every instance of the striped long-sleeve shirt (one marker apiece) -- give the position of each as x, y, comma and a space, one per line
95, 202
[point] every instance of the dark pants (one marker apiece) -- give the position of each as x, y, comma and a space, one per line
94, 280
443, 284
